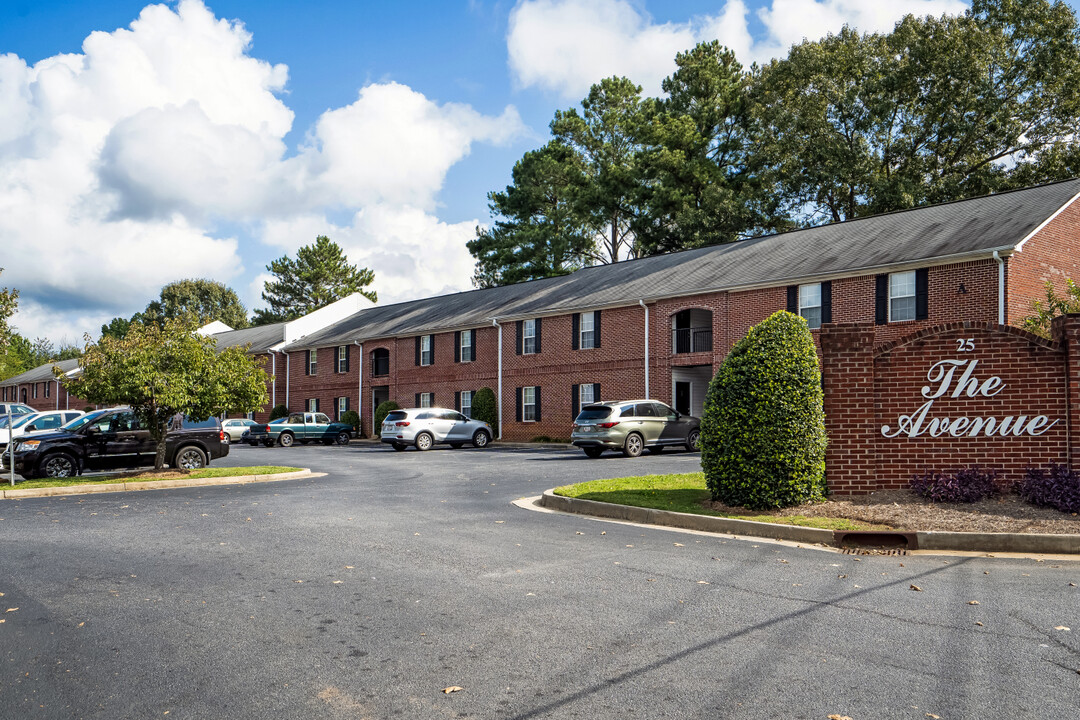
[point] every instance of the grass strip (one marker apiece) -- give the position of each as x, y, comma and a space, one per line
686, 493
147, 476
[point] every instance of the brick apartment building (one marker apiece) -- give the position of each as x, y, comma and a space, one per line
659, 327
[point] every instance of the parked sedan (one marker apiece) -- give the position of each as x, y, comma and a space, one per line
235, 428
299, 427
423, 427
633, 426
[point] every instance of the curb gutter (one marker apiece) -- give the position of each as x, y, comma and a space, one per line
942, 541
151, 485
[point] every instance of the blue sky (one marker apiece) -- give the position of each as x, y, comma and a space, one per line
144, 145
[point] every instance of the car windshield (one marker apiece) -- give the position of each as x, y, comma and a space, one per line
395, 415
16, 421
82, 420
594, 412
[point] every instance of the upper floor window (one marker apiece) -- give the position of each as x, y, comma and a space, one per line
466, 346
343, 358
588, 336
810, 304
427, 354
528, 337
380, 362
312, 362
902, 296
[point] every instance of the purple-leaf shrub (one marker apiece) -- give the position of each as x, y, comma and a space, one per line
966, 485
1057, 488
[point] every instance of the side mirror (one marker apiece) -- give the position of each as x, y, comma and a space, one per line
31, 427
92, 430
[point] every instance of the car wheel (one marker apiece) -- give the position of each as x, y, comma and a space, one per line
480, 439
656, 449
58, 465
633, 445
693, 441
189, 458
225, 439
286, 439
342, 438
593, 452
424, 441
398, 446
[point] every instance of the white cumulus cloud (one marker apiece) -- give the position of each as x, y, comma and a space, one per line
565, 46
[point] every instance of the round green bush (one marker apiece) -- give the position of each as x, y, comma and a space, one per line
485, 408
351, 417
381, 412
763, 430
279, 411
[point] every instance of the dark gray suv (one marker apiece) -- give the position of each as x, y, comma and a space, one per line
633, 426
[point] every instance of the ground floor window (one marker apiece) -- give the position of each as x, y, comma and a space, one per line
586, 395
528, 404
342, 406
313, 405
466, 403
427, 400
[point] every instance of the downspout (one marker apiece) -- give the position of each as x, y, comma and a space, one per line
360, 388
1001, 287
642, 304
498, 398
287, 381
273, 374
57, 394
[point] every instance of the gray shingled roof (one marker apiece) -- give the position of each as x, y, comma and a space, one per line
933, 234
261, 338
930, 234
41, 373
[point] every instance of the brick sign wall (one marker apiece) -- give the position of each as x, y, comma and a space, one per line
943, 398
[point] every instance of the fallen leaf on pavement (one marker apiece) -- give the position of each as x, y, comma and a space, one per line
12, 609
82, 623
973, 602
1062, 627
679, 545
703, 582
916, 588
839, 717
452, 689
932, 715
978, 623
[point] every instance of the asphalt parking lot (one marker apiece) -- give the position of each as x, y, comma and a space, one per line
365, 592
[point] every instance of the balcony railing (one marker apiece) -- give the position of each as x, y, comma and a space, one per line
691, 340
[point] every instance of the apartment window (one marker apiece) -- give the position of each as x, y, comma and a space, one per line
342, 407
810, 304
427, 400
48, 389
588, 336
427, 355
466, 346
466, 403
380, 362
343, 359
312, 364
528, 404
528, 337
313, 405
586, 395
34, 389
902, 296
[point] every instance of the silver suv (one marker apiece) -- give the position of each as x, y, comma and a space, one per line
423, 427
633, 426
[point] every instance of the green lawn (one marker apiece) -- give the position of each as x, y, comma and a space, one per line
136, 477
685, 493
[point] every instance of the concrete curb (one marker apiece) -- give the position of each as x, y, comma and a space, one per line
153, 485
939, 541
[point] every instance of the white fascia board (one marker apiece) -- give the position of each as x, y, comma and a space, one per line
1044, 223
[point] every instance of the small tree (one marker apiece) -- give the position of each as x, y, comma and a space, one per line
381, 412
485, 408
280, 410
351, 417
763, 433
163, 372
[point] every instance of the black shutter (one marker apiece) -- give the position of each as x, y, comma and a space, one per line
346, 403
432, 342
418, 350
472, 344
596, 392
574, 401
922, 293
457, 400
538, 321
520, 333
536, 394
348, 351
596, 329
517, 405
793, 299
316, 404
826, 301
417, 403
575, 339
307, 362
457, 346
881, 300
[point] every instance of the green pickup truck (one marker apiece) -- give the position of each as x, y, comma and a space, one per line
302, 428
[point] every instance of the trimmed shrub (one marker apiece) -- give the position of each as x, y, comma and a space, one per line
966, 485
89, 409
485, 408
351, 417
380, 414
1057, 488
279, 411
763, 430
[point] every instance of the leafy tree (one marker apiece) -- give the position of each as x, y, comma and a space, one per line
939, 109
606, 137
200, 300
318, 276
537, 233
9, 303
1043, 312
484, 407
763, 431
117, 327
163, 371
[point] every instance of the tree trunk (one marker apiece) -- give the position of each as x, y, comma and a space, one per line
159, 458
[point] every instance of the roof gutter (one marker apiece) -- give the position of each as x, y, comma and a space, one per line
360, 387
642, 304
498, 398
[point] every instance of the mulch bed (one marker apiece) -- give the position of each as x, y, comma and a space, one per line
904, 510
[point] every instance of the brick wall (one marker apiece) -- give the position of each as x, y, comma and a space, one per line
1049, 255
58, 399
878, 438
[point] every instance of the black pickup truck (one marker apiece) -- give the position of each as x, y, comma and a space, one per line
113, 439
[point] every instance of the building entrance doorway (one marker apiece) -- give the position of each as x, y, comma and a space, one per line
688, 387
682, 397
379, 395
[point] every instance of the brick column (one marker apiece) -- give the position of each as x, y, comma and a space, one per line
847, 363
1065, 330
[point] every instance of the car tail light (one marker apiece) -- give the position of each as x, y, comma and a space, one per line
403, 423
221, 436
607, 424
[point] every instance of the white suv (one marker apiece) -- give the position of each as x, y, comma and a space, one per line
423, 427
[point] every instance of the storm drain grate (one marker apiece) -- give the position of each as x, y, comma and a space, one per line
875, 551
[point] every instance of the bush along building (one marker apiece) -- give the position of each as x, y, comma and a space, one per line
659, 327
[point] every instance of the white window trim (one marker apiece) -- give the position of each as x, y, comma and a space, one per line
342, 406
313, 362
914, 292
464, 394
811, 307
525, 405
429, 398
466, 342
342, 355
591, 331
428, 354
525, 337
582, 402
312, 405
